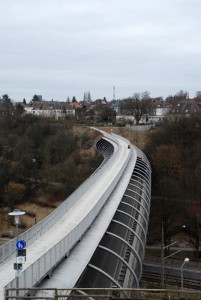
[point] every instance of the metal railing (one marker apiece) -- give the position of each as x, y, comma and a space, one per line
106, 293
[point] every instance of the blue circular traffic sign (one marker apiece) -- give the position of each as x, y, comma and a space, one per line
20, 244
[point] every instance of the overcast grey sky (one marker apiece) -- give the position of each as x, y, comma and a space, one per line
61, 48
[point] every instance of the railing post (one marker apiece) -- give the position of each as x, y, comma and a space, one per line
6, 293
56, 294
3, 254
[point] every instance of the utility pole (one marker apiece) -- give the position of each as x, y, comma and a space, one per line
162, 254
163, 257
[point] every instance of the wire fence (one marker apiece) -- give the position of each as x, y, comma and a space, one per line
105, 293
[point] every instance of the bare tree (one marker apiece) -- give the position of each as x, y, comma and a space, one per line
137, 105
178, 97
169, 208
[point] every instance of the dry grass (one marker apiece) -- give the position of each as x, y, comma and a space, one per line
137, 138
34, 214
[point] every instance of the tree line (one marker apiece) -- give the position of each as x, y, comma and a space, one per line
103, 112
175, 156
35, 151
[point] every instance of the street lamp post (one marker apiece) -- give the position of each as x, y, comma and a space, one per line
182, 285
16, 213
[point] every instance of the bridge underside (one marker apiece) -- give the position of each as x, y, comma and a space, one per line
118, 258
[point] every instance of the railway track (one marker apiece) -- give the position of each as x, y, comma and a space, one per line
153, 277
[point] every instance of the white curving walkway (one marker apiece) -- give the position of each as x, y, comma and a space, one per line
81, 209
67, 273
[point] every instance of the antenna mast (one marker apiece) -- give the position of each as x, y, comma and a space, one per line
113, 92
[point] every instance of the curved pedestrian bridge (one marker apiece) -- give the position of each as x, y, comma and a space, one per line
97, 237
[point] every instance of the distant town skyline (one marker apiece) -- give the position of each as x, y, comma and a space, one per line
41, 97
65, 48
